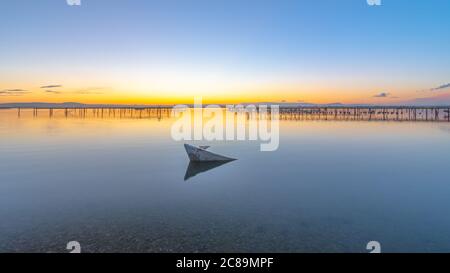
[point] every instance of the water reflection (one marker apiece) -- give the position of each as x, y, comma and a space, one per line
196, 168
300, 114
116, 185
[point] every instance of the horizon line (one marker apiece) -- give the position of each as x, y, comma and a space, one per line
62, 105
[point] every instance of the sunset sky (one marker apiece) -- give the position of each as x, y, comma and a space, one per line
141, 51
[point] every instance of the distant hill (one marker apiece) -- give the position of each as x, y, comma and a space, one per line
65, 105
42, 105
417, 102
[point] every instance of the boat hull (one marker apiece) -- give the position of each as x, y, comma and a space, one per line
196, 154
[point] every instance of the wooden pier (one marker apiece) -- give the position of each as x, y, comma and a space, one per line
375, 113
85, 112
381, 113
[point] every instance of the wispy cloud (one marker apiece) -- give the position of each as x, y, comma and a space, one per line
382, 95
438, 88
51, 86
55, 89
444, 86
13, 92
52, 92
16, 90
89, 91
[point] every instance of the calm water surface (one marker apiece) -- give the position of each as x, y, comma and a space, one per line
117, 185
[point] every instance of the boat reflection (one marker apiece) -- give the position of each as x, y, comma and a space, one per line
196, 168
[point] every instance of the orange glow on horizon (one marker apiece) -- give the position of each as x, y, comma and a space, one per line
223, 94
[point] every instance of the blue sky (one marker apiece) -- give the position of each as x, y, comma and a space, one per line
322, 50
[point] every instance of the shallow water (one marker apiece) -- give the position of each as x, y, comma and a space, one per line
118, 185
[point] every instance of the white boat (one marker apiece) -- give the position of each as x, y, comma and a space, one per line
200, 154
